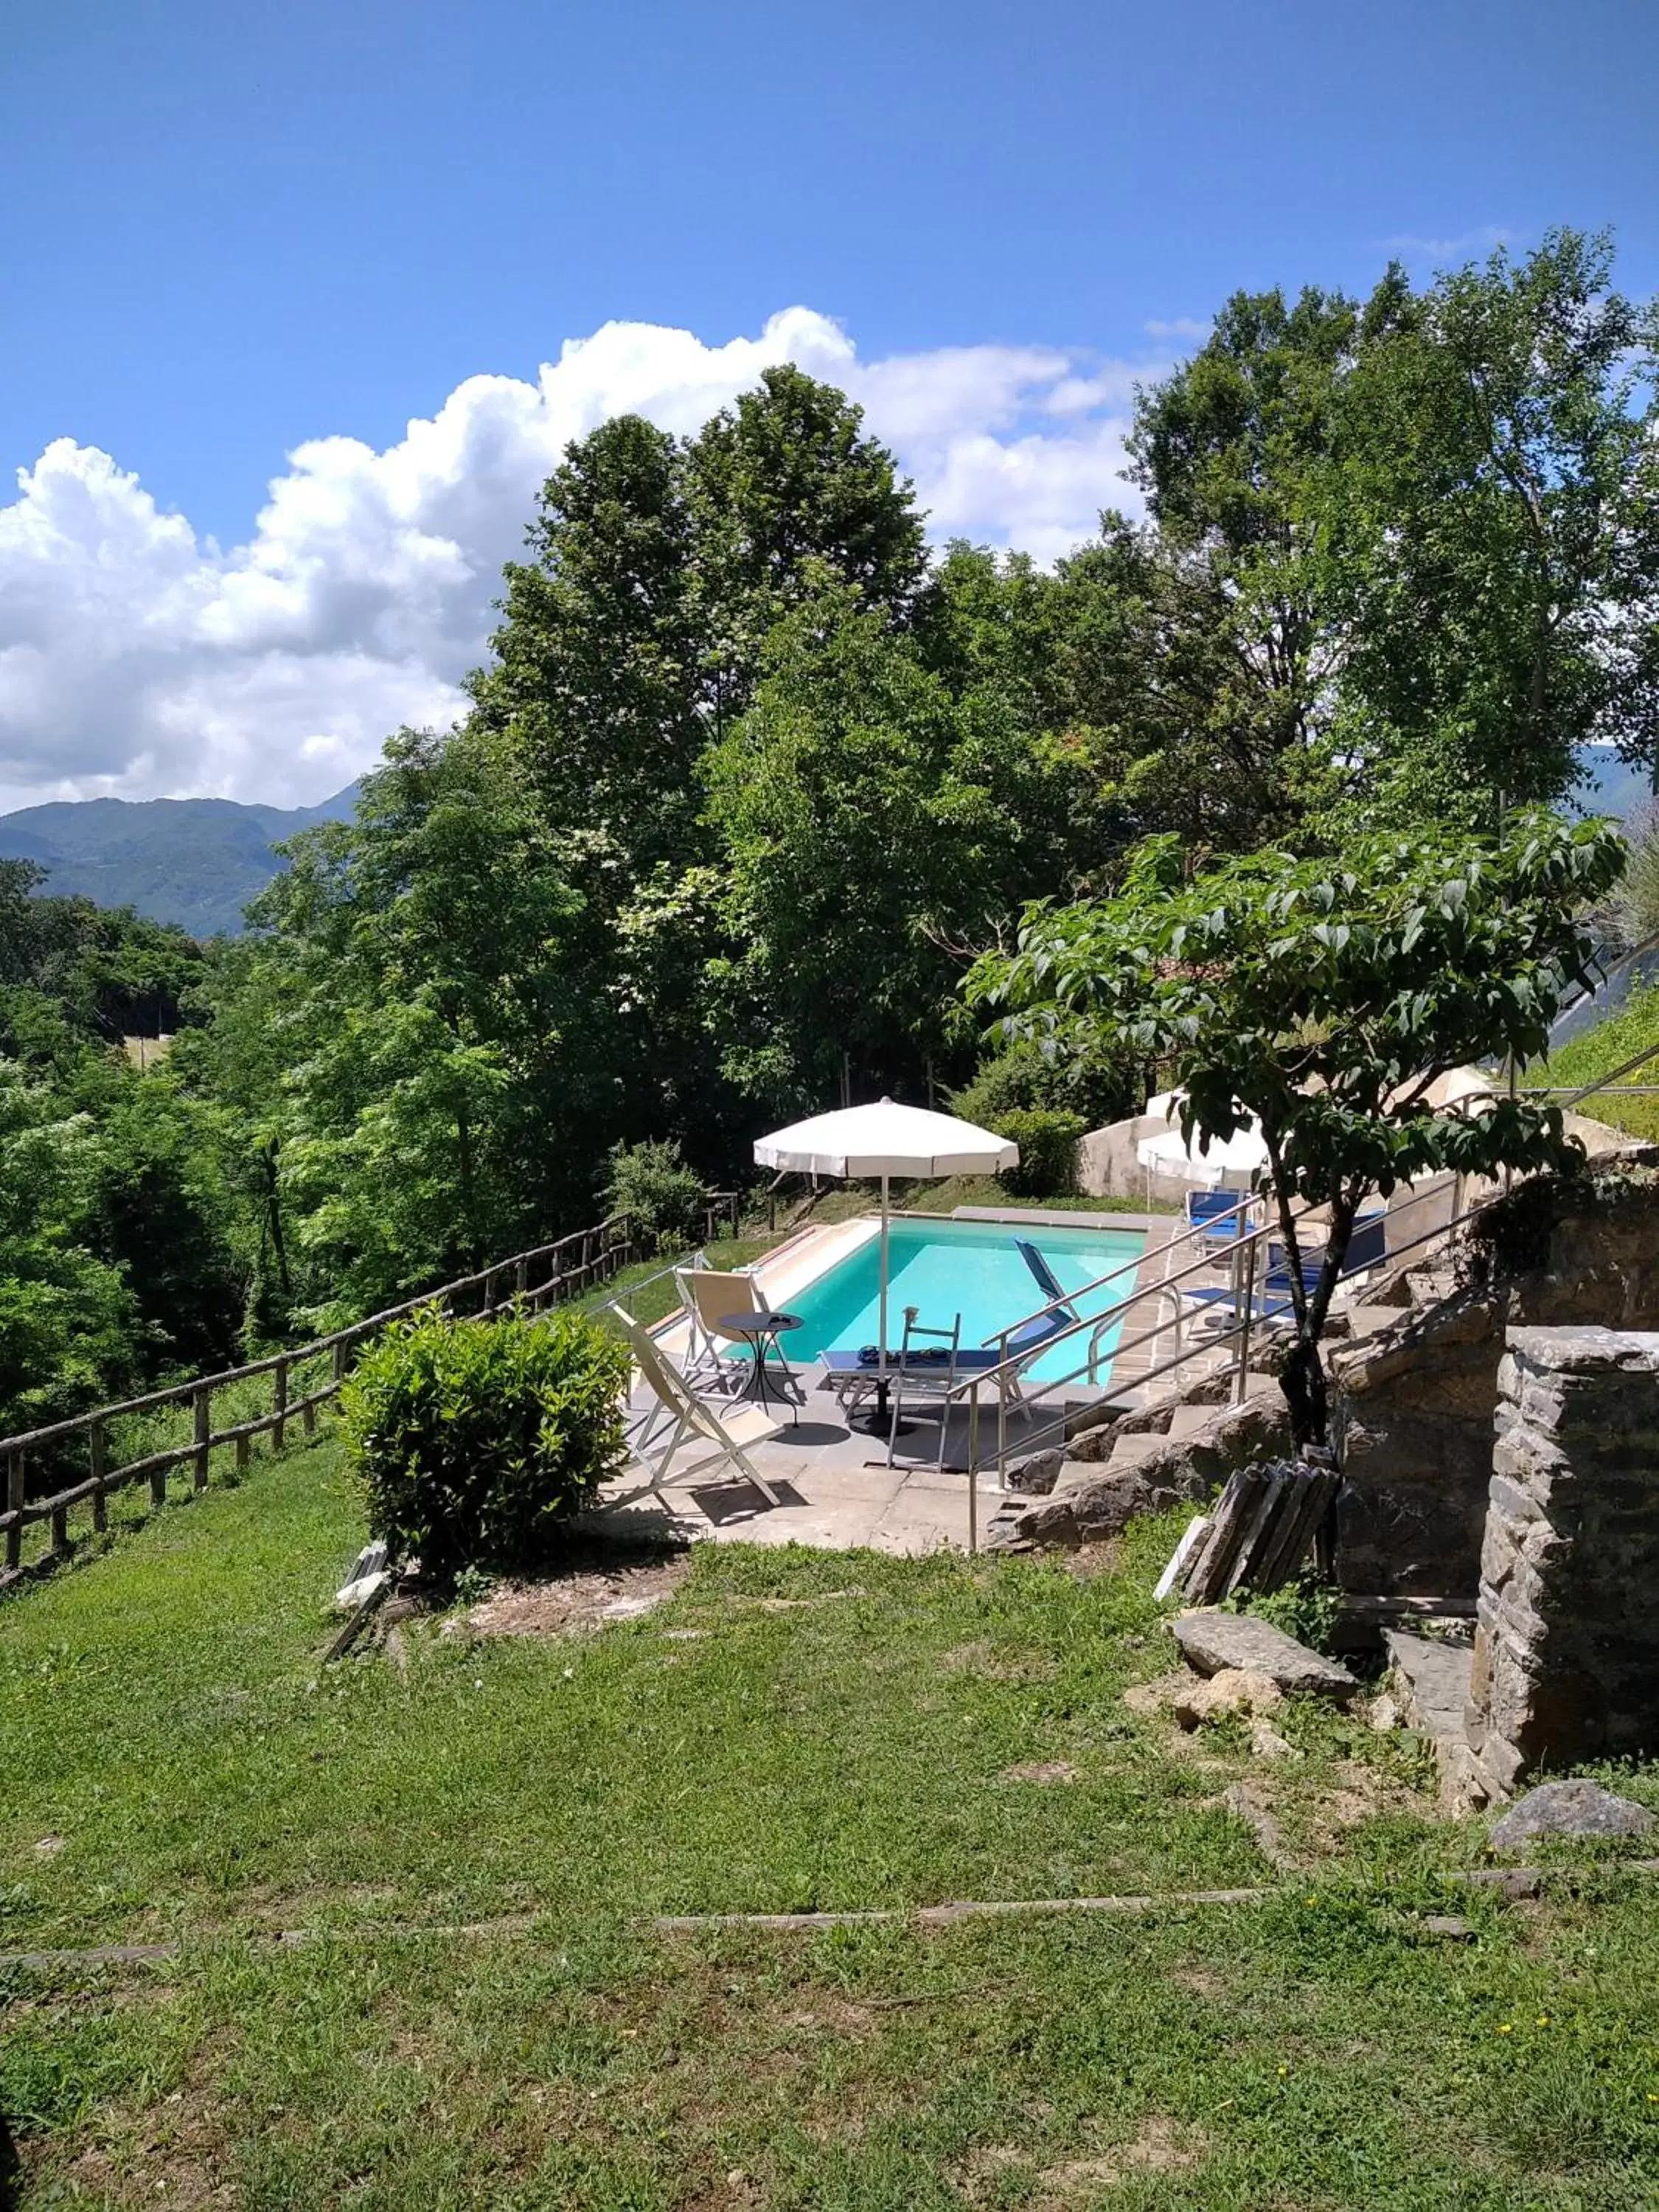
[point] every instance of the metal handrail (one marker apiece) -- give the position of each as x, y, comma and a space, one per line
1238, 1333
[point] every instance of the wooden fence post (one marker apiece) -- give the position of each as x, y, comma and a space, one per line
202, 1400
99, 1497
279, 1404
14, 1505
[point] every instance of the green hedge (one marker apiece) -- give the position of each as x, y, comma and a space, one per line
475, 1441
1047, 1144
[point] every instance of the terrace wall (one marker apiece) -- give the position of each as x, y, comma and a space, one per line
1413, 1407
1566, 1649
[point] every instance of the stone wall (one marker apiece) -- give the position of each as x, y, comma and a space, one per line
1413, 1408
1566, 1652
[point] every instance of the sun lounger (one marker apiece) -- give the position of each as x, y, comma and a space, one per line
1217, 1218
1043, 1275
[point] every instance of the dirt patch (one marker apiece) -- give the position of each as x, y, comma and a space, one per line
1158, 2145
798, 1604
1053, 1770
1091, 1559
1201, 1982
1146, 1699
591, 1595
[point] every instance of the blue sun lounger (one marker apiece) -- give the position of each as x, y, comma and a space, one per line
1365, 1251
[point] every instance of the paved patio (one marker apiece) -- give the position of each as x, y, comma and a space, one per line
834, 1486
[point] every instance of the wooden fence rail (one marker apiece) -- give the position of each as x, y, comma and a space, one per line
546, 1275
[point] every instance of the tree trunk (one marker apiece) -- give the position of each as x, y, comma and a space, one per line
274, 1224
1305, 1393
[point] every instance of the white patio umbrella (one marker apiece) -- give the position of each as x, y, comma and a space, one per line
1229, 1163
885, 1140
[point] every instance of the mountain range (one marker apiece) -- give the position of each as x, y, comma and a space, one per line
194, 861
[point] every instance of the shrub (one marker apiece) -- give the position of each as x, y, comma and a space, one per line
665, 1197
1048, 1152
1021, 1080
475, 1441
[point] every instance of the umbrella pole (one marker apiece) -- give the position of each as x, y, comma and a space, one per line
881, 1332
879, 1423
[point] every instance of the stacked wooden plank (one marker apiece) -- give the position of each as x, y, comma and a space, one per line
1261, 1530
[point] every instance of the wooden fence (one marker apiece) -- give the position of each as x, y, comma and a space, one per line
545, 1276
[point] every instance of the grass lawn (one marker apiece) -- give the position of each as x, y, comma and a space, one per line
1602, 1050
790, 1729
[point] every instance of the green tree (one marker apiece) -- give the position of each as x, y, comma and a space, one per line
1404, 561
1324, 999
594, 675
782, 487
69, 1325
1493, 536
444, 1086
877, 829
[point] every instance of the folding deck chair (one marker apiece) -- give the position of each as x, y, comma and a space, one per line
729, 1432
709, 1296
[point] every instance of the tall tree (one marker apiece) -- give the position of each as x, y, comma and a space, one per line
875, 827
594, 679
783, 483
1493, 535
448, 1082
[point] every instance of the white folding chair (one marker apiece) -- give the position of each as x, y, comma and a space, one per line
728, 1432
709, 1294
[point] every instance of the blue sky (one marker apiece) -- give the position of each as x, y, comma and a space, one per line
230, 230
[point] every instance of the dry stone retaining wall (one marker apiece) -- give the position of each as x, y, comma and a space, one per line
1566, 1654
1413, 1408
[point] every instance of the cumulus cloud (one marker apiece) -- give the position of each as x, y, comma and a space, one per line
137, 659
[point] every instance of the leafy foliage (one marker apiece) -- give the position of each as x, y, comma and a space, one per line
1047, 1144
666, 1197
474, 1441
749, 778
1324, 999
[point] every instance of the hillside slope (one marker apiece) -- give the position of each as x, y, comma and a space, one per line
194, 861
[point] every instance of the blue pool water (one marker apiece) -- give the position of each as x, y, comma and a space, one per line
971, 1268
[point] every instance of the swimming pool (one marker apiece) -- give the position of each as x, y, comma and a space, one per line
945, 1268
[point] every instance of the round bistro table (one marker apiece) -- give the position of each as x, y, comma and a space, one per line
759, 1328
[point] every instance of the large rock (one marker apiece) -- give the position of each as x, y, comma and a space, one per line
1214, 1641
1036, 1475
1569, 1809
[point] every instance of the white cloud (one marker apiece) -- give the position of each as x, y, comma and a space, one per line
137, 659
1183, 326
1486, 239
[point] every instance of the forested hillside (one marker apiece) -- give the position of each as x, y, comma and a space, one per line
749, 775
196, 862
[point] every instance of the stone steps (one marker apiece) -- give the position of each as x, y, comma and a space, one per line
1129, 1451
